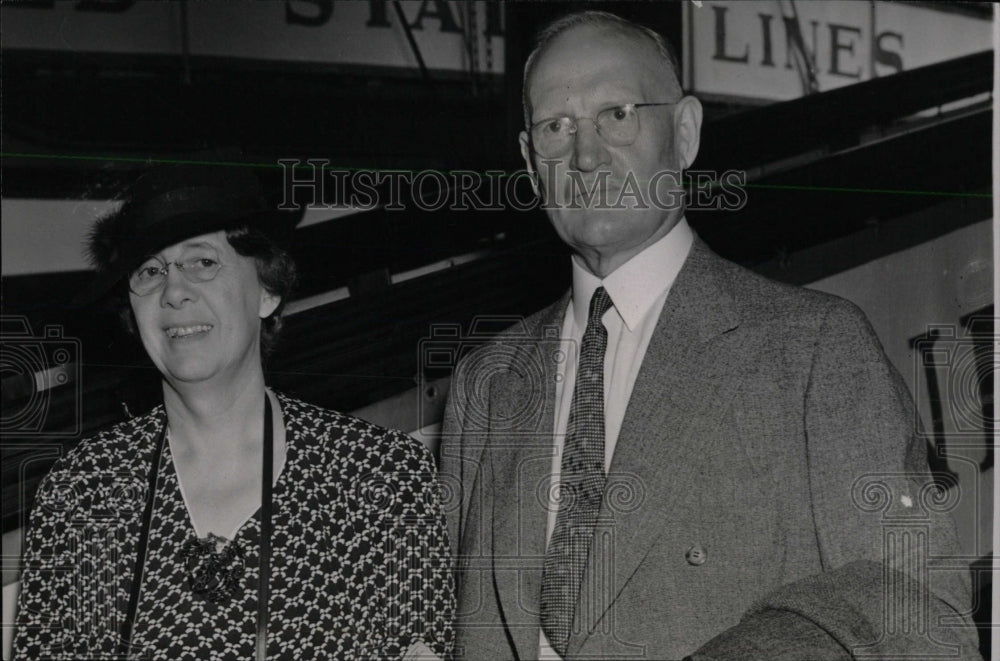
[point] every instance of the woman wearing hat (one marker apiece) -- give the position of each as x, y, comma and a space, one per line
232, 521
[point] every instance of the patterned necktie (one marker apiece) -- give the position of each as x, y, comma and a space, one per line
582, 481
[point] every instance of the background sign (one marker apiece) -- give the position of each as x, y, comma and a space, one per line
451, 35
780, 50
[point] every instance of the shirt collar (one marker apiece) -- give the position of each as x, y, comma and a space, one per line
637, 284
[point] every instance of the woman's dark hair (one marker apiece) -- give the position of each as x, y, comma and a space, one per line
275, 270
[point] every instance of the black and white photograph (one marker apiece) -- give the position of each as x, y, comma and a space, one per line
444, 330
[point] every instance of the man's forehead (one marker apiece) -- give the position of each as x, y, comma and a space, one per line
599, 62
550, 97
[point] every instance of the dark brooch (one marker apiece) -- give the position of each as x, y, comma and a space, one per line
215, 567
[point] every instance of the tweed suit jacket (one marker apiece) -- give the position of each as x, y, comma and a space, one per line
767, 497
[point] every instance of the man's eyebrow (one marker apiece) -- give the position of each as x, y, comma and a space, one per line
601, 108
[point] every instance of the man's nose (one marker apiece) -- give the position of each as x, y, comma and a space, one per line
590, 151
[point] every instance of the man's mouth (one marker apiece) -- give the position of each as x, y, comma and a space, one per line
175, 332
603, 197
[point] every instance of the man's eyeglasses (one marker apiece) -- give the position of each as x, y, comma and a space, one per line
619, 126
152, 275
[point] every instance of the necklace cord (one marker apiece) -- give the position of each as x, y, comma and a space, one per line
140, 556
267, 477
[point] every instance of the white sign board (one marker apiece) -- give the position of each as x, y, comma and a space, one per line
449, 34
779, 50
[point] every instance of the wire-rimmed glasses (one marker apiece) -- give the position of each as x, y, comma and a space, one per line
152, 274
618, 126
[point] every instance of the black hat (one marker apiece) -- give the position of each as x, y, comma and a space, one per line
171, 203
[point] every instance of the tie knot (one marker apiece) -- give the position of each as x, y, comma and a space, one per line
600, 303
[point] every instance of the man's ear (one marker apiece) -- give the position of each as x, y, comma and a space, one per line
268, 303
687, 130
528, 165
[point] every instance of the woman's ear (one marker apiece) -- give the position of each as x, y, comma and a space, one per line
268, 303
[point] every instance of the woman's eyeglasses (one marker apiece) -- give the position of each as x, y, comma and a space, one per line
152, 275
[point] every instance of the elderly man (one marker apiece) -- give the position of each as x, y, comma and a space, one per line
680, 457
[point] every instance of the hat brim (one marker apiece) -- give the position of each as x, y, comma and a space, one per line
278, 225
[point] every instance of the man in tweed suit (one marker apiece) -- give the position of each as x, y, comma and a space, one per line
748, 486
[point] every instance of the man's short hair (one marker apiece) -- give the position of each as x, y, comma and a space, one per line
598, 19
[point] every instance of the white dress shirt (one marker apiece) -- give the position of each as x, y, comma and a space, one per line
638, 290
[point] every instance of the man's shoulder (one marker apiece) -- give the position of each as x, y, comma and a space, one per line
758, 297
544, 324
541, 324
514, 343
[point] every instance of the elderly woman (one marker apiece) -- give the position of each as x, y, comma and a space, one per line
232, 522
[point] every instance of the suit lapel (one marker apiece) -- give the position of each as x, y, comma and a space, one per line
679, 379
522, 401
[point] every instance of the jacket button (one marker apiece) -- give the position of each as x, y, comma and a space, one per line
696, 555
